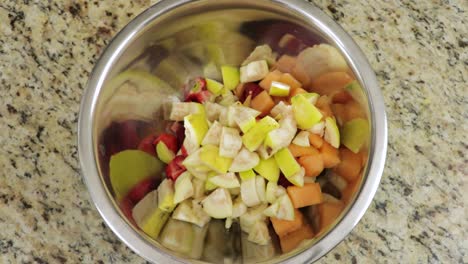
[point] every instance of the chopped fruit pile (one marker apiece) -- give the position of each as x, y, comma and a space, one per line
252, 146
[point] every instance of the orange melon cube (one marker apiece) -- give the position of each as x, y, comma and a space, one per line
330, 155
298, 151
271, 76
309, 194
315, 140
330, 83
288, 79
328, 213
350, 165
263, 103
341, 97
323, 104
284, 227
350, 190
301, 75
286, 63
292, 240
313, 164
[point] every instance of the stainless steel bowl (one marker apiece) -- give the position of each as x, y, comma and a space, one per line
140, 45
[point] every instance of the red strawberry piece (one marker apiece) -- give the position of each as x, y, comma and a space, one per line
169, 140
199, 97
128, 134
178, 129
126, 205
252, 89
175, 168
198, 85
184, 151
141, 189
147, 145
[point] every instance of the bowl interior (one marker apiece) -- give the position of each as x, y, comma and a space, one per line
161, 53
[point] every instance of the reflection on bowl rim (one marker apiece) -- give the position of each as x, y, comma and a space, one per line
306, 11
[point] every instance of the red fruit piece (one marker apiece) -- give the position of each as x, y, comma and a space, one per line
178, 129
126, 205
199, 97
169, 140
147, 145
128, 134
283, 181
184, 151
197, 85
141, 189
175, 168
251, 89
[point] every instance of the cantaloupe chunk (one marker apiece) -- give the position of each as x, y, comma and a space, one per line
288, 79
271, 76
350, 164
301, 75
286, 63
341, 97
313, 164
263, 103
364, 155
329, 212
323, 104
350, 189
330, 83
339, 111
284, 227
309, 194
298, 151
239, 90
354, 110
315, 140
330, 155
292, 240
296, 91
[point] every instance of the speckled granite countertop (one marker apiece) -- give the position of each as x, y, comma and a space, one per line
419, 50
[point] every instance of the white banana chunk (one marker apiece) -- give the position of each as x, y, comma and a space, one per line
213, 135
186, 212
218, 204
249, 193
260, 186
213, 110
244, 160
180, 110
227, 180
183, 187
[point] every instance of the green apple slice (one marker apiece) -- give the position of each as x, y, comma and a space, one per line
355, 134
195, 128
129, 167
188, 211
268, 169
282, 208
227, 180
252, 216
183, 187
318, 129
210, 157
260, 186
231, 76
244, 161
302, 139
254, 71
272, 210
198, 188
210, 70
178, 236
218, 204
148, 216
259, 234
287, 163
209, 186
194, 164
279, 89
332, 133
249, 193
230, 142
214, 86
356, 91
213, 110
298, 178
166, 195
213, 135
282, 136
280, 110
179, 110
311, 97
245, 117
255, 136
273, 191
262, 52
164, 153
246, 175
305, 113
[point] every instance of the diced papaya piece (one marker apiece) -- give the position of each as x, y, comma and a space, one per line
323, 104
239, 90
286, 63
341, 97
298, 151
288, 79
354, 110
315, 140
300, 74
350, 164
313, 164
292, 240
263, 103
330, 155
329, 212
309, 194
284, 227
330, 83
271, 76
350, 189
364, 156
296, 91
278, 99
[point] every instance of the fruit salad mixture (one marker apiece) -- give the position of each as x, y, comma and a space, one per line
276, 145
